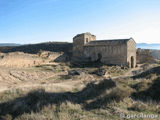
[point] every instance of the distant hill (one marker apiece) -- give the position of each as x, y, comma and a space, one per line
148, 46
8, 44
35, 48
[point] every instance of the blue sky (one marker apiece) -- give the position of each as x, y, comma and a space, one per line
34, 21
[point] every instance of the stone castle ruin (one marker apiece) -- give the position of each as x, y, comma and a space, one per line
112, 52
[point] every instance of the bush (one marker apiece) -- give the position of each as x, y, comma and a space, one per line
119, 93
141, 86
152, 92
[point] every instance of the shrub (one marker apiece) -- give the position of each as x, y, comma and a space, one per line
152, 92
119, 93
141, 86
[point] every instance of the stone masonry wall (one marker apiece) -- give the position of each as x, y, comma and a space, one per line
111, 54
115, 52
131, 53
78, 43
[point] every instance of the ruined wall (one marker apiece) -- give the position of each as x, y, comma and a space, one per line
143, 56
113, 53
131, 53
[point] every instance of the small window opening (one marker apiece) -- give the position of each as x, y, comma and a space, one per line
86, 40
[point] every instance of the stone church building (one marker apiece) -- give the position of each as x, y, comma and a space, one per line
112, 52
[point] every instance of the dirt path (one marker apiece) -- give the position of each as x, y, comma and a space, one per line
128, 73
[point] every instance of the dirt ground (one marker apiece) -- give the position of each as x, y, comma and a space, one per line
16, 73
30, 71
32, 77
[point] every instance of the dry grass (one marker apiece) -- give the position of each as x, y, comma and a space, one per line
96, 101
58, 106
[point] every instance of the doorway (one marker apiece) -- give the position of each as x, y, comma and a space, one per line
99, 57
132, 62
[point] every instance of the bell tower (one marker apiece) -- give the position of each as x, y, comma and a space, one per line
79, 41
